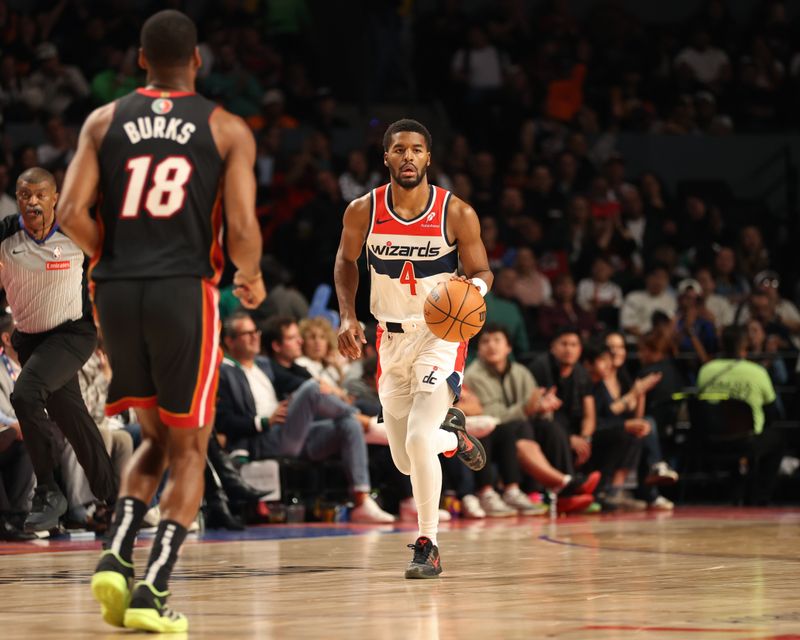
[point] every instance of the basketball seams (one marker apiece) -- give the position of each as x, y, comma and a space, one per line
458, 328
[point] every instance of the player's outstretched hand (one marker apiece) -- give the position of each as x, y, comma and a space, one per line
249, 289
351, 337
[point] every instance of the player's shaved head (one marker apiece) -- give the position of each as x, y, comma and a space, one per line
37, 175
168, 38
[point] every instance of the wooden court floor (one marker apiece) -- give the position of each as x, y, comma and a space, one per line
697, 573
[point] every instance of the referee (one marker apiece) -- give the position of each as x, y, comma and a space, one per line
42, 273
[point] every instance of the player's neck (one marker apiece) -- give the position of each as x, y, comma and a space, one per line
171, 82
409, 203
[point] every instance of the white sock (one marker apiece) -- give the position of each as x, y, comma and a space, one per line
445, 441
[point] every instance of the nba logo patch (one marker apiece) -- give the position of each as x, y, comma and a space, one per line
162, 106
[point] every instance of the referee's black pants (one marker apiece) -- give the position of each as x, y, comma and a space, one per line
49, 380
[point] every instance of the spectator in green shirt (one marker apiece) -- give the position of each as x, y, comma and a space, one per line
735, 377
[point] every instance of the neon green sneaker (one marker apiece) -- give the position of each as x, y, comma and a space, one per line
148, 611
111, 586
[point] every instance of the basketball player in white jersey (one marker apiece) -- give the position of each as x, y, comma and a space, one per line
415, 234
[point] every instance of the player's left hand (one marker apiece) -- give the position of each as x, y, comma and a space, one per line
250, 290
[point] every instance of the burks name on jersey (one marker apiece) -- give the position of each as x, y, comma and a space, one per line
148, 127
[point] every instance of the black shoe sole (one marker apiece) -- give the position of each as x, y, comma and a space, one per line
475, 458
422, 573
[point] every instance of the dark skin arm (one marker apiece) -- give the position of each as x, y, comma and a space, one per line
345, 275
463, 227
237, 148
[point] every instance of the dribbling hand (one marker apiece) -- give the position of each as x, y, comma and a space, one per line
249, 289
351, 337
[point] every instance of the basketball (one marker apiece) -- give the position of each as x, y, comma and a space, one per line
454, 311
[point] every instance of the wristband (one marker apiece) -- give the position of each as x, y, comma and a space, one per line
482, 286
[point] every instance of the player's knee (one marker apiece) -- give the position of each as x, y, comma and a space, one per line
402, 463
418, 445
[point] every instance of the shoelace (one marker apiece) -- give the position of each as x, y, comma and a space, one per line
420, 554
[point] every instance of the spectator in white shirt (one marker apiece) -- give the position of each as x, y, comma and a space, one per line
702, 63
639, 306
598, 291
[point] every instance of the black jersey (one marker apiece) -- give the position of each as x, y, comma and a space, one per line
160, 189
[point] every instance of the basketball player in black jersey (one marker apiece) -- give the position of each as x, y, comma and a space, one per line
159, 164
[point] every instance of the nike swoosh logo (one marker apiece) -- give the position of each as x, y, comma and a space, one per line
382, 221
15, 251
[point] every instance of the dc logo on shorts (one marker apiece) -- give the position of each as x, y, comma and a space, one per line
162, 106
430, 378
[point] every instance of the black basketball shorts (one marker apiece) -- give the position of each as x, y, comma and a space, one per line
162, 340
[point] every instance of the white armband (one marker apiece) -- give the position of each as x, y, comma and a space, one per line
482, 286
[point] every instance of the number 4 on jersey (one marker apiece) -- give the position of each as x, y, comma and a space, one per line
407, 277
166, 194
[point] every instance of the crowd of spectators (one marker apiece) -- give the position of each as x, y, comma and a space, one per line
530, 98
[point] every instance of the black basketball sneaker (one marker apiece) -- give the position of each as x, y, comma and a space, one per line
426, 562
148, 611
470, 450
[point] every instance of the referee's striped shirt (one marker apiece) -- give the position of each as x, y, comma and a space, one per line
44, 280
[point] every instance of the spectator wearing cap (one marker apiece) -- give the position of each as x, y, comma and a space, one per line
693, 332
638, 307
716, 307
62, 88
709, 120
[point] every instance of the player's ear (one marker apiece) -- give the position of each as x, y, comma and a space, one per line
385, 159
429, 159
142, 60
197, 58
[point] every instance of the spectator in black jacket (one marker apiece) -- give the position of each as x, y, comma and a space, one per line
270, 410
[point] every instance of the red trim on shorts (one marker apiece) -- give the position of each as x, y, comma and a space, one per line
378, 335
216, 255
204, 396
461, 357
130, 402
160, 93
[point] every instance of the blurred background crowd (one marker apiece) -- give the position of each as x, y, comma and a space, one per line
577, 130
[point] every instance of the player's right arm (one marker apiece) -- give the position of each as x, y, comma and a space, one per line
238, 150
345, 274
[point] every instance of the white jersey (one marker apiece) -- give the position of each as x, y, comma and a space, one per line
407, 258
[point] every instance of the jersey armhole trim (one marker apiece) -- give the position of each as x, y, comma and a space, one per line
372, 213
444, 220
